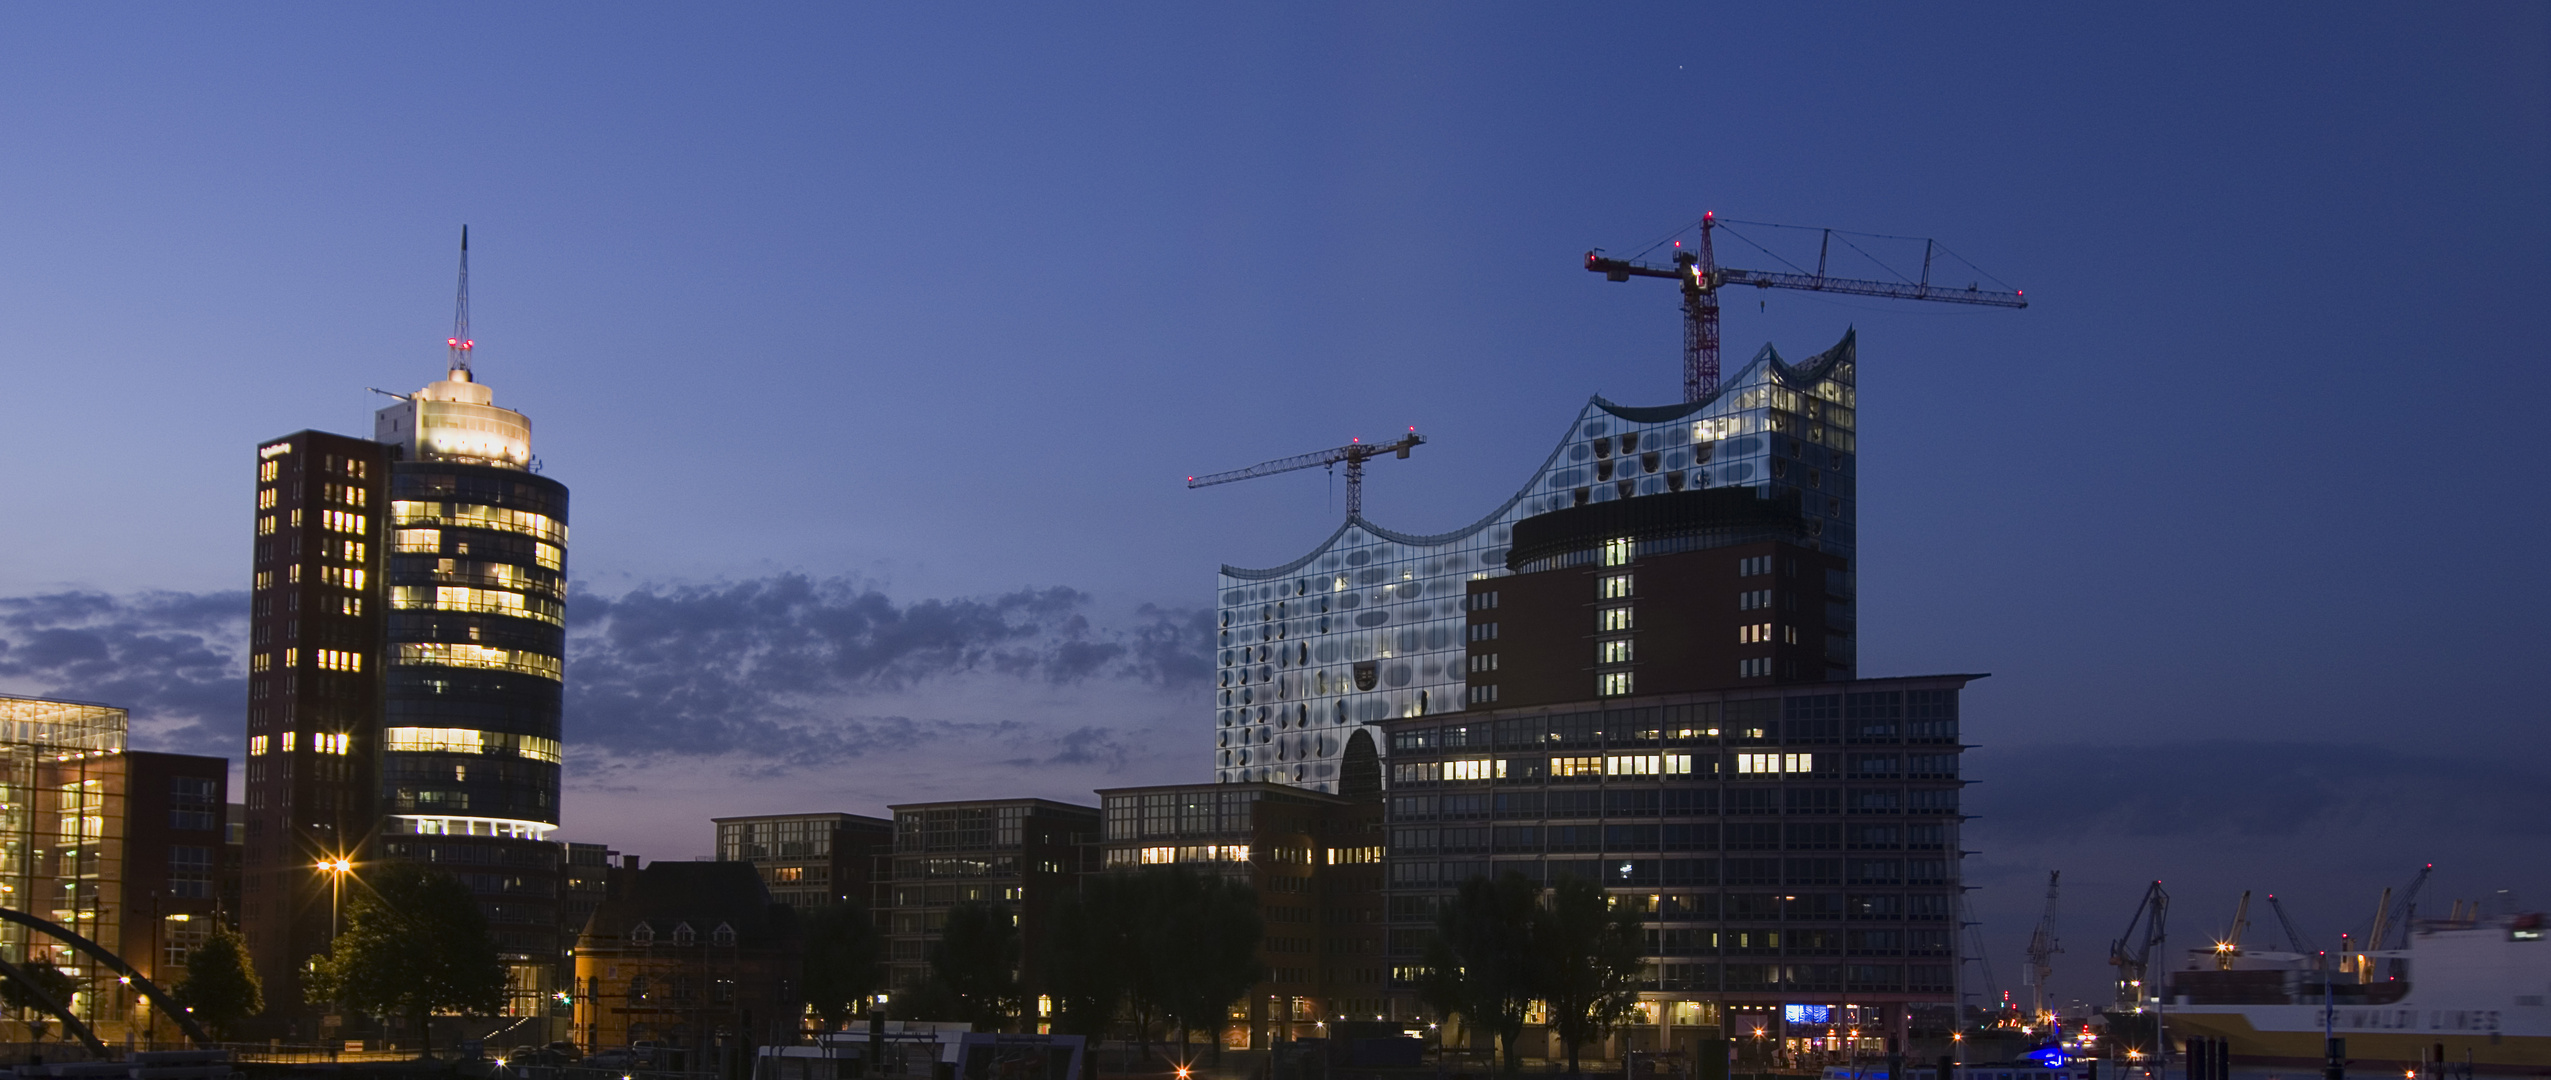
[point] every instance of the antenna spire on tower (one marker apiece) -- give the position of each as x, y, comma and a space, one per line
460, 341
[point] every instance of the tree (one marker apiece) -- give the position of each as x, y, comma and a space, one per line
221, 987
1090, 956
1481, 962
976, 960
845, 961
49, 982
1588, 962
416, 943
1202, 943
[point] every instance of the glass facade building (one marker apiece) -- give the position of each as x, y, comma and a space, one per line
1371, 625
474, 659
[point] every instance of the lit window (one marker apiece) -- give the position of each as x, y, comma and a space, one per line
257, 745
260, 661
1612, 619
1613, 652
420, 541
265, 579
267, 470
337, 659
287, 741
474, 516
421, 740
486, 601
333, 742
1613, 683
1617, 551
1632, 765
265, 498
481, 656
265, 524
341, 521
1615, 587
1576, 766
1475, 769
291, 659
1775, 763
1754, 634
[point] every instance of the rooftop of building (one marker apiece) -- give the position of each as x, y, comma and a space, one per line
1263, 787
993, 804
837, 818
703, 895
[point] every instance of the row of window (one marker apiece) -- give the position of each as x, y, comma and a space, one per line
1411, 840
323, 659
1807, 718
1673, 802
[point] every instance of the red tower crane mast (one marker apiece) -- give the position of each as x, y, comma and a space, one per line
1702, 278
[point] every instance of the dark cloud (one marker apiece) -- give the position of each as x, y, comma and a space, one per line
174, 659
763, 668
766, 670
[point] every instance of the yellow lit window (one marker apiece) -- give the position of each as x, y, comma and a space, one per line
1678, 764
266, 497
1613, 683
1617, 551
328, 743
287, 741
426, 541
474, 516
292, 574
1753, 634
1775, 763
481, 656
291, 659
1632, 764
421, 740
337, 659
343, 521
265, 579
260, 661
1475, 769
1612, 619
343, 577
788, 873
265, 524
486, 601
257, 745
1613, 652
548, 556
1576, 766
267, 471
1615, 587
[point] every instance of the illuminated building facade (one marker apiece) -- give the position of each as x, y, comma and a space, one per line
408, 648
124, 846
314, 690
1315, 862
474, 655
1374, 625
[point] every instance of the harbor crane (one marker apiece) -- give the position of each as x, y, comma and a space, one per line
2386, 916
2133, 956
2294, 938
1702, 278
2226, 950
2042, 947
1353, 455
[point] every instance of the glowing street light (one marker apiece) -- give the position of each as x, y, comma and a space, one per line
337, 868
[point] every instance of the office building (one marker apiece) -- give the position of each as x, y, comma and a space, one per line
408, 650
1784, 845
1374, 625
1315, 862
810, 860
1018, 852
125, 847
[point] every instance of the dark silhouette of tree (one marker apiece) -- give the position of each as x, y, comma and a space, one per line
1091, 956
416, 943
221, 986
976, 960
1482, 963
1202, 939
1588, 960
845, 961
26, 1000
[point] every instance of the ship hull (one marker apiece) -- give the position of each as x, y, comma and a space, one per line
2381, 1040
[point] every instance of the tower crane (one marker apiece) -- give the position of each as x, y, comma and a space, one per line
2042, 947
1702, 278
2133, 956
2230, 947
1353, 455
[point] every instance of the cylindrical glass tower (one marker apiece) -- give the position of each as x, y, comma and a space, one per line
476, 647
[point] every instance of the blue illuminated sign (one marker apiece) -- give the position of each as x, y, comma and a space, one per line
1808, 1014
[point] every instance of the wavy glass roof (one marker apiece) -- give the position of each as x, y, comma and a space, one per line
1298, 643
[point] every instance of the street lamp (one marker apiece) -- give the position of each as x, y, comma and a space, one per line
337, 867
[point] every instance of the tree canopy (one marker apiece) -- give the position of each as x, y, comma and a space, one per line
845, 961
1164, 943
1482, 961
976, 962
415, 943
1587, 962
50, 982
220, 984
